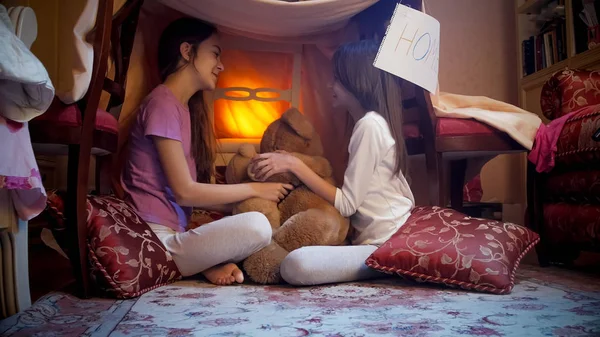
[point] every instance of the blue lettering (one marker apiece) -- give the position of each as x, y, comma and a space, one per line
417, 44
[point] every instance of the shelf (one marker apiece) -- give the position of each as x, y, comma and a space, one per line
543, 73
581, 60
532, 6
585, 59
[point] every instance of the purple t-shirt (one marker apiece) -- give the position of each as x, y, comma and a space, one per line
143, 179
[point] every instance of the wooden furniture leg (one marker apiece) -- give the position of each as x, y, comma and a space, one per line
535, 212
435, 174
77, 239
458, 169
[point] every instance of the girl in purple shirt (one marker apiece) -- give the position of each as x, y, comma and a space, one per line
170, 162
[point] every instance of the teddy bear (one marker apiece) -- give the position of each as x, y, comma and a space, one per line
302, 218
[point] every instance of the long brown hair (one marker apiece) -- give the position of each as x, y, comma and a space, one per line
170, 60
375, 89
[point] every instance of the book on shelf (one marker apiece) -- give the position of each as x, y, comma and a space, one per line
548, 44
545, 49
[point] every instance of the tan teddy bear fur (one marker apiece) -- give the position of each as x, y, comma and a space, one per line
302, 218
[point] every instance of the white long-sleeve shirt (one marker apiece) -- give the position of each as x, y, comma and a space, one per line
377, 202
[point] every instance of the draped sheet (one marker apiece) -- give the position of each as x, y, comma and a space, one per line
519, 124
75, 55
26, 90
274, 18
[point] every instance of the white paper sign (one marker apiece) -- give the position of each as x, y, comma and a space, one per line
410, 49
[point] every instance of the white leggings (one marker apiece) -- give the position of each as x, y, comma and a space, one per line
231, 239
328, 264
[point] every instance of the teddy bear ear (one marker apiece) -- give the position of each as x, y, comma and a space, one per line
299, 123
247, 150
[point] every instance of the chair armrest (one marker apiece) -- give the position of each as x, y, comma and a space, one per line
569, 90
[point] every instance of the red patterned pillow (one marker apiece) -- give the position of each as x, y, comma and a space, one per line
441, 245
126, 256
575, 145
569, 90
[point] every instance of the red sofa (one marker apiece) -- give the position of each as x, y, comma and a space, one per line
564, 204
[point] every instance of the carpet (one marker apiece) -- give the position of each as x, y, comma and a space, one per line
544, 302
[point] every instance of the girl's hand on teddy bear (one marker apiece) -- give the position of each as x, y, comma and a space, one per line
271, 191
267, 164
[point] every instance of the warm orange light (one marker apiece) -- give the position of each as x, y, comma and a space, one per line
249, 119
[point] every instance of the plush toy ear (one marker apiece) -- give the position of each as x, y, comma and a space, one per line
247, 150
298, 122
235, 172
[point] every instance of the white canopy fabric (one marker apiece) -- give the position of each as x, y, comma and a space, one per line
273, 18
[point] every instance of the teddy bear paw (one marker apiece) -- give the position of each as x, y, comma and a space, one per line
263, 266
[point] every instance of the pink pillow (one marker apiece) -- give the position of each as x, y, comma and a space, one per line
441, 245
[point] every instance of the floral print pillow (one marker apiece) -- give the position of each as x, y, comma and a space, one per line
569, 90
444, 246
127, 258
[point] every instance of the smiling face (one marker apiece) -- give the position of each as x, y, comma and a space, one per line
207, 62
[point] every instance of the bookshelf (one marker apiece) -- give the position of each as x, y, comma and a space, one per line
551, 36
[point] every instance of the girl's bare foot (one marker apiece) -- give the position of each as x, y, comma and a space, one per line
224, 274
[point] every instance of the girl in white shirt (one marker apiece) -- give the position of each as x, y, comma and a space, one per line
375, 194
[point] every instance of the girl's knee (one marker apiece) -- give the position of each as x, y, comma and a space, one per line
259, 228
294, 268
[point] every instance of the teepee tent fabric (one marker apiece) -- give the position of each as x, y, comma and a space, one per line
273, 18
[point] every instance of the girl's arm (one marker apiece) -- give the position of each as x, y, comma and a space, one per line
227, 208
190, 193
284, 162
366, 148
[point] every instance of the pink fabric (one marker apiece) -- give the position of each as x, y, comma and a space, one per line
19, 171
144, 182
544, 148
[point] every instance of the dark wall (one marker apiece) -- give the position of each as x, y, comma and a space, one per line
374, 20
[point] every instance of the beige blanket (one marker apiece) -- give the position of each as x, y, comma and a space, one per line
521, 125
